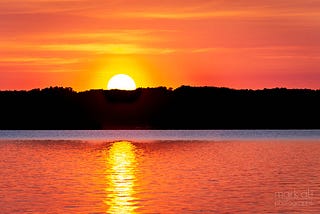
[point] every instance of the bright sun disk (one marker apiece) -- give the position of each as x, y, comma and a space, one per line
121, 82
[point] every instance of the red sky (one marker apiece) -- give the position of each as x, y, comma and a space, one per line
237, 44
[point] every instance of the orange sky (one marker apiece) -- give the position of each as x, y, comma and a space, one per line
82, 43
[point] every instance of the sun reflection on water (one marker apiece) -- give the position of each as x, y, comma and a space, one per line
121, 178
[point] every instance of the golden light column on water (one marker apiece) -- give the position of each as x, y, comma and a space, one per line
121, 178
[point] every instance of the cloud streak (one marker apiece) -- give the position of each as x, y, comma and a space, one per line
122, 49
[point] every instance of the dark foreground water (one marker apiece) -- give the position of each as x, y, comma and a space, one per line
159, 172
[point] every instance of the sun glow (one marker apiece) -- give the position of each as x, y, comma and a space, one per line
121, 82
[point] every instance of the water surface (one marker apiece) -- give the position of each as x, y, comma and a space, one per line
158, 134
229, 174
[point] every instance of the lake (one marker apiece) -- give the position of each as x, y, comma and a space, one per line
209, 171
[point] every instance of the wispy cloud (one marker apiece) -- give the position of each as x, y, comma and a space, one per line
240, 13
166, 9
107, 48
37, 60
42, 6
122, 35
188, 15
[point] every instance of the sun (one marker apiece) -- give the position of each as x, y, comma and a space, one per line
121, 82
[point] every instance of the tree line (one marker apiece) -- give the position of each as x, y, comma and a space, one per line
160, 108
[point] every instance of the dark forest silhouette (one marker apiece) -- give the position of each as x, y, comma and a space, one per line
160, 108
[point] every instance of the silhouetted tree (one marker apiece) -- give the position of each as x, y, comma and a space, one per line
160, 108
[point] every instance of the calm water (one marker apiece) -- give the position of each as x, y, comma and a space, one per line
160, 171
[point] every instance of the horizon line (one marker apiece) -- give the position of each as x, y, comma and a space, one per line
154, 87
